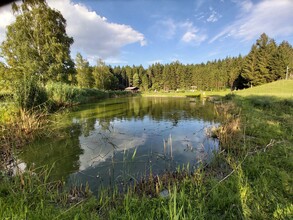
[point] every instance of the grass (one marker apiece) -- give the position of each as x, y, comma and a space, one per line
61, 94
23, 116
185, 93
251, 177
280, 89
31, 196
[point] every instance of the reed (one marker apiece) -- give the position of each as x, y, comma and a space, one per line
22, 129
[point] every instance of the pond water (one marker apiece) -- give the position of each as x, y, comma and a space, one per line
124, 139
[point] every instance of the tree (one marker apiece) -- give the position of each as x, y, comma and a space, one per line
103, 77
144, 82
280, 60
136, 80
37, 43
84, 74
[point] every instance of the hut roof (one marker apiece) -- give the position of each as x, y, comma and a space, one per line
131, 88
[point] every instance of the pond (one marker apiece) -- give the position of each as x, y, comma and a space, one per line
123, 139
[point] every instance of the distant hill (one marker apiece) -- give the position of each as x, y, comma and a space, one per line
281, 88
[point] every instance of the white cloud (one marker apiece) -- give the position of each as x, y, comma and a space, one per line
192, 34
246, 5
185, 31
6, 18
269, 16
214, 16
93, 35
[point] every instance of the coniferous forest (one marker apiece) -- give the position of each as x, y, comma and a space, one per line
124, 158
35, 50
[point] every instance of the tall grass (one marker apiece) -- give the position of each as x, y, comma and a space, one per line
33, 196
29, 93
61, 94
250, 178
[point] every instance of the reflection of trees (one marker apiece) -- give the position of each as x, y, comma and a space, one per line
105, 124
157, 108
102, 114
88, 125
48, 151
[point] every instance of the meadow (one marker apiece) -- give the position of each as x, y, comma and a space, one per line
250, 178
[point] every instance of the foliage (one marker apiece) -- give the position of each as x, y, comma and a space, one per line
84, 75
250, 179
62, 94
32, 196
29, 93
266, 62
32, 47
103, 77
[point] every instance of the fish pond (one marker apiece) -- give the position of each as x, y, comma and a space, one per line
124, 139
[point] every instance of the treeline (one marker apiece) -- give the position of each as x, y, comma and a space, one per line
266, 62
37, 45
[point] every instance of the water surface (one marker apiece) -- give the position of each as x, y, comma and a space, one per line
118, 140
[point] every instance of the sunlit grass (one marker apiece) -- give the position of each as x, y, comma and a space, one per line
186, 93
251, 178
281, 89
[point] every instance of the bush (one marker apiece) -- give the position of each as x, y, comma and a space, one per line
62, 94
29, 93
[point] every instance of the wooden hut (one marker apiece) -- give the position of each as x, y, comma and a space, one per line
132, 89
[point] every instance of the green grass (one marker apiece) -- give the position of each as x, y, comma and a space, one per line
281, 89
251, 178
185, 93
33, 196
61, 94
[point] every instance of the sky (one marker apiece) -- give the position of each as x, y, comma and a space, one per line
134, 32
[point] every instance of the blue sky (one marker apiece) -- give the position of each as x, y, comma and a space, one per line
127, 32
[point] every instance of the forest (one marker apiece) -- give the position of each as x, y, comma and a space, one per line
34, 50
42, 87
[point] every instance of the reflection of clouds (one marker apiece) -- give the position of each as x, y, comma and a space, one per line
193, 147
100, 146
189, 142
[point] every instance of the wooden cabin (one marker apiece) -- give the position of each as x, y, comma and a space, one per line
132, 89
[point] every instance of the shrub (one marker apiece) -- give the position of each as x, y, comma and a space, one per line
29, 93
62, 94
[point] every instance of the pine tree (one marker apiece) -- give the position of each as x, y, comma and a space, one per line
281, 60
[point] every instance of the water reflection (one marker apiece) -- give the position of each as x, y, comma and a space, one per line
121, 139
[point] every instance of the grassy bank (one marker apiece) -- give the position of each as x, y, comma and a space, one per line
278, 89
251, 177
195, 93
23, 112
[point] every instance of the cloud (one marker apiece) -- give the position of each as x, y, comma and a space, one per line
192, 34
185, 31
7, 18
272, 17
93, 35
214, 16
